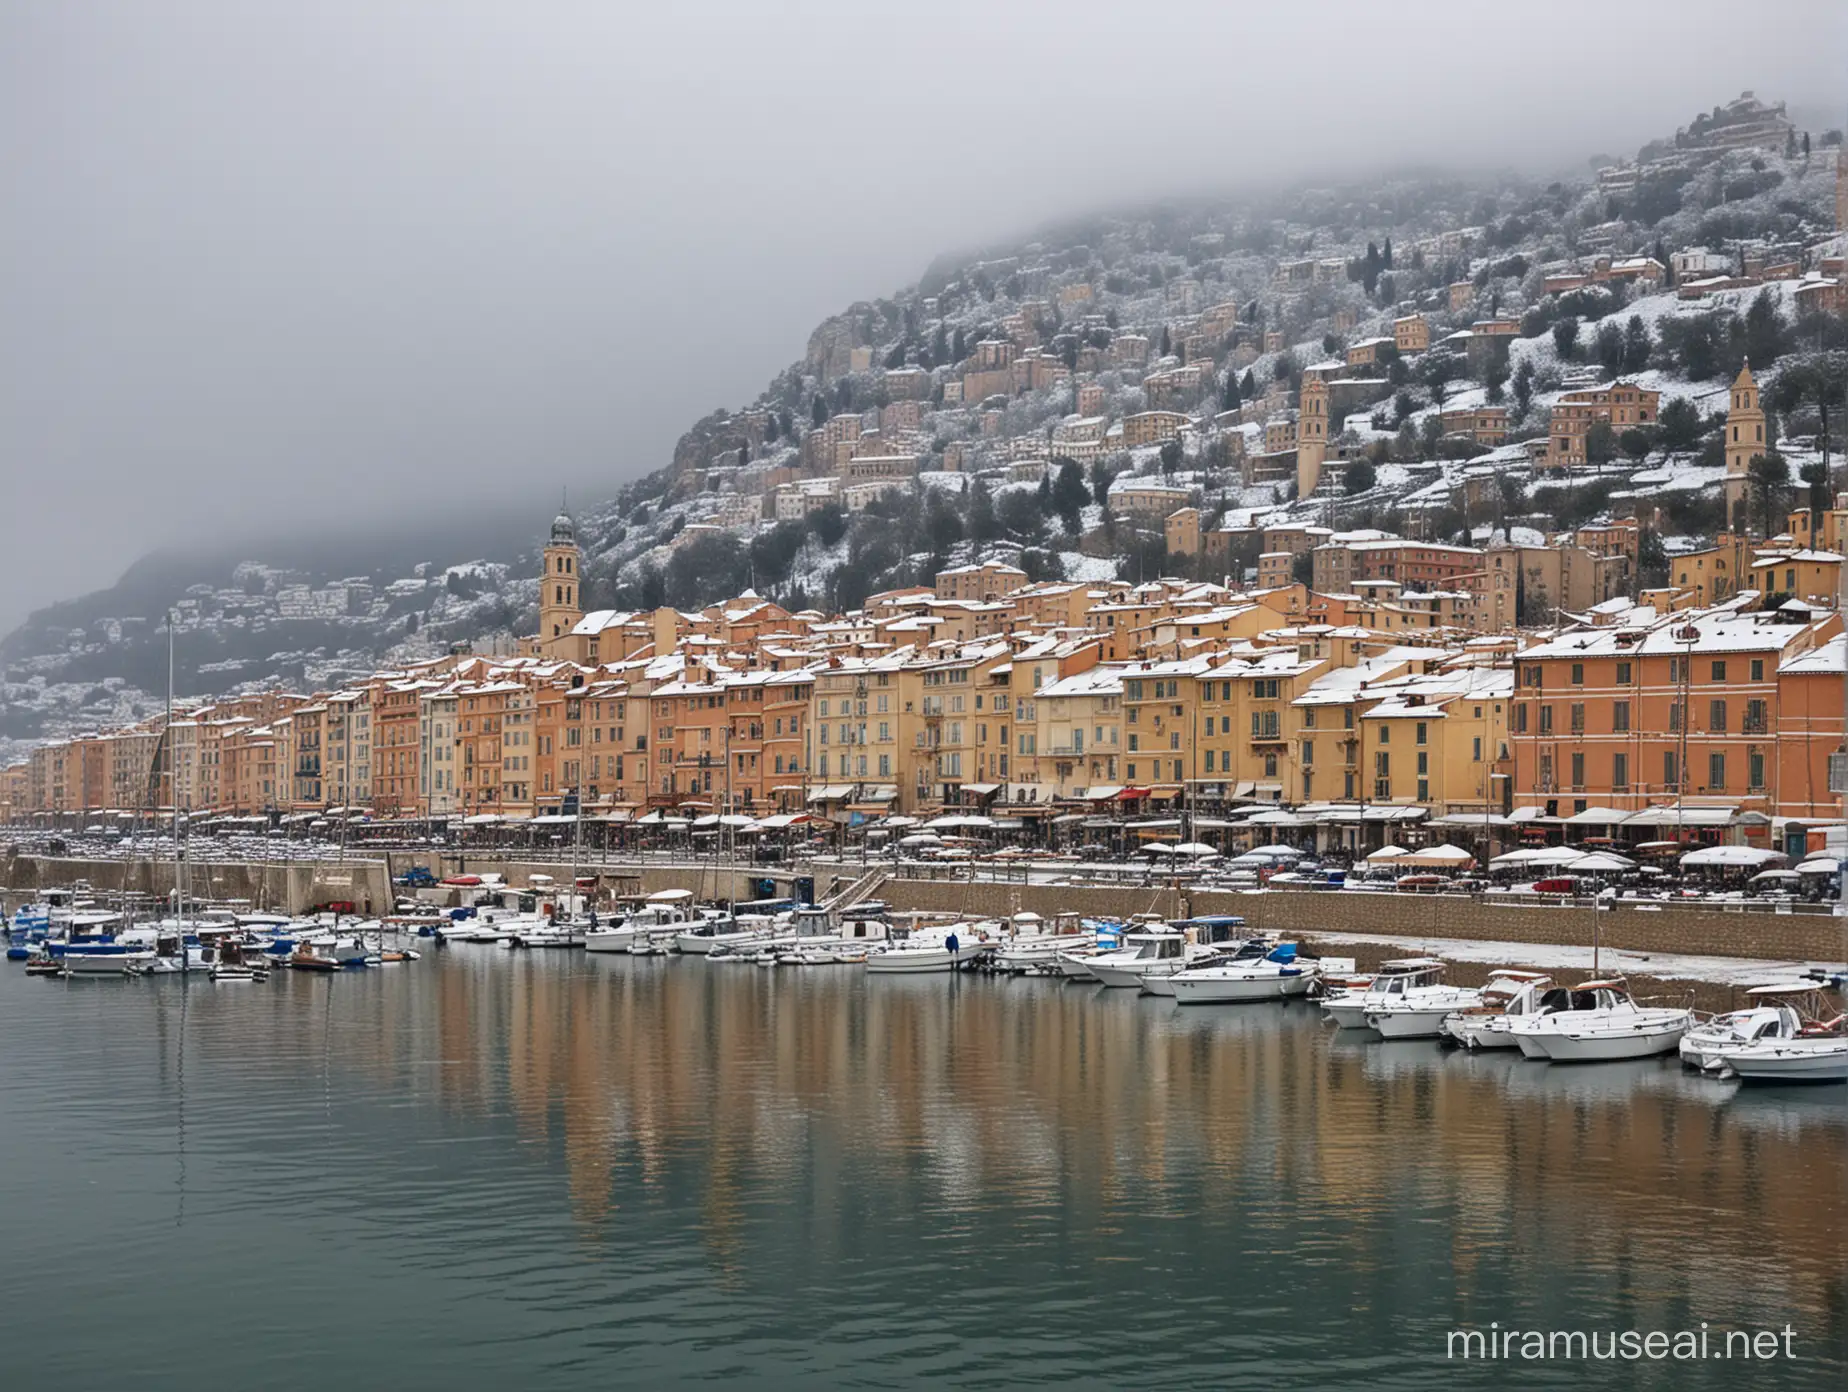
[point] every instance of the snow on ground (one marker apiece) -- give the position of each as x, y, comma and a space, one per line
1664, 966
1087, 569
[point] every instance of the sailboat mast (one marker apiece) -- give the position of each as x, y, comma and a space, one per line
173, 787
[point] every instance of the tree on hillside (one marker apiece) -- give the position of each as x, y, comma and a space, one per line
1167, 344
1170, 456
1636, 345
1680, 424
1359, 477
828, 524
1248, 386
1565, 339
1600, 444
983, 525
1524, 385
1768, 483
1229, 399
1608, 347
818, 410
1069, 495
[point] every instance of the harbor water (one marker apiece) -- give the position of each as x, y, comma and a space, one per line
508, 1170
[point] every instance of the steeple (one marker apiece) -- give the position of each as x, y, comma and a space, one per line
1745, 435
558, 583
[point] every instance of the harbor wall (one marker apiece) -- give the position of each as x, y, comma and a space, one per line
1711, 931
1703, 930
279, 886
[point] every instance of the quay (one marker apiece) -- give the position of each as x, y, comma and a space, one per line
1743, 932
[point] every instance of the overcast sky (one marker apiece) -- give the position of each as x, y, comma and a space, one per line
270, 266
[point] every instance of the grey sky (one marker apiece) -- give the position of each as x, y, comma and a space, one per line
274, 265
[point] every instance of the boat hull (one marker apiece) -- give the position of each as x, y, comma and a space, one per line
1347, 1013
1793, 1062
1607, 1044
1194, 990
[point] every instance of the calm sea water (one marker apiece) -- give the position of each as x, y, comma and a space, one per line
497, 1170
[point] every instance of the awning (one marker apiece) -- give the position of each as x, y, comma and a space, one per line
883, 792
1682, 816
1029, 793
1105, 792
981, 789
1165, 794
833, 792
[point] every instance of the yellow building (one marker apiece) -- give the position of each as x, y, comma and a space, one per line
1745, 437
559, 612
1311, 435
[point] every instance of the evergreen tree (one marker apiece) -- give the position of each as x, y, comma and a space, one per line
1230, 399
957, 348
1386, 256
1248, 385
1636, 345
982, 523
1167, 345
1069, 495
818, 410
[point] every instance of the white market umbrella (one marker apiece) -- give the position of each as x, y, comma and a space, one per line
1730, 858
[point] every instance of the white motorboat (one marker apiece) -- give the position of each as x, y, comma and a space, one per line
1349, 1009
1161, 950
946, 947
1506, 997
1034, 949
1771, 1017
1820, 1058
1601, 1023
1257, 970
1418, 1011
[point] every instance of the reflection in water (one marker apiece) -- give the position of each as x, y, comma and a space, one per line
646, 1170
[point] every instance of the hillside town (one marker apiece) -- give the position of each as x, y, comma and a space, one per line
1538, 511
1378, 706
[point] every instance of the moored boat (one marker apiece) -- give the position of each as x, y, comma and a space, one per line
1601, 1023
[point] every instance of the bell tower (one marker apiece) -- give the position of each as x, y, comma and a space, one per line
558, 585
1745, 436
1311, 435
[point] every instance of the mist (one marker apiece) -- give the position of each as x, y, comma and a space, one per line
278, 270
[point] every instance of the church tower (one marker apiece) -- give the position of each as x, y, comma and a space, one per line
1745, 436
1311, 435
558, 586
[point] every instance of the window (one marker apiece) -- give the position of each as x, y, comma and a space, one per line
1758, 669
1424, 762
1577, 714
1620, 772
1623, 674
1520, 718
1424, 790
1209, 761
1716, 771
1578, 674
1716, 716
1620, 716
1755, 769
1385, 732
1475, 753
1578, 771
1309, 718
1420, 736
1671, 769
1719, 671
1674, 717
1546, 720
1308, 751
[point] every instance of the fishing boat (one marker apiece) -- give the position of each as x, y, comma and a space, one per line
312, 956
1602, 1022
1506, 997
1348, 1009
1257, 970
